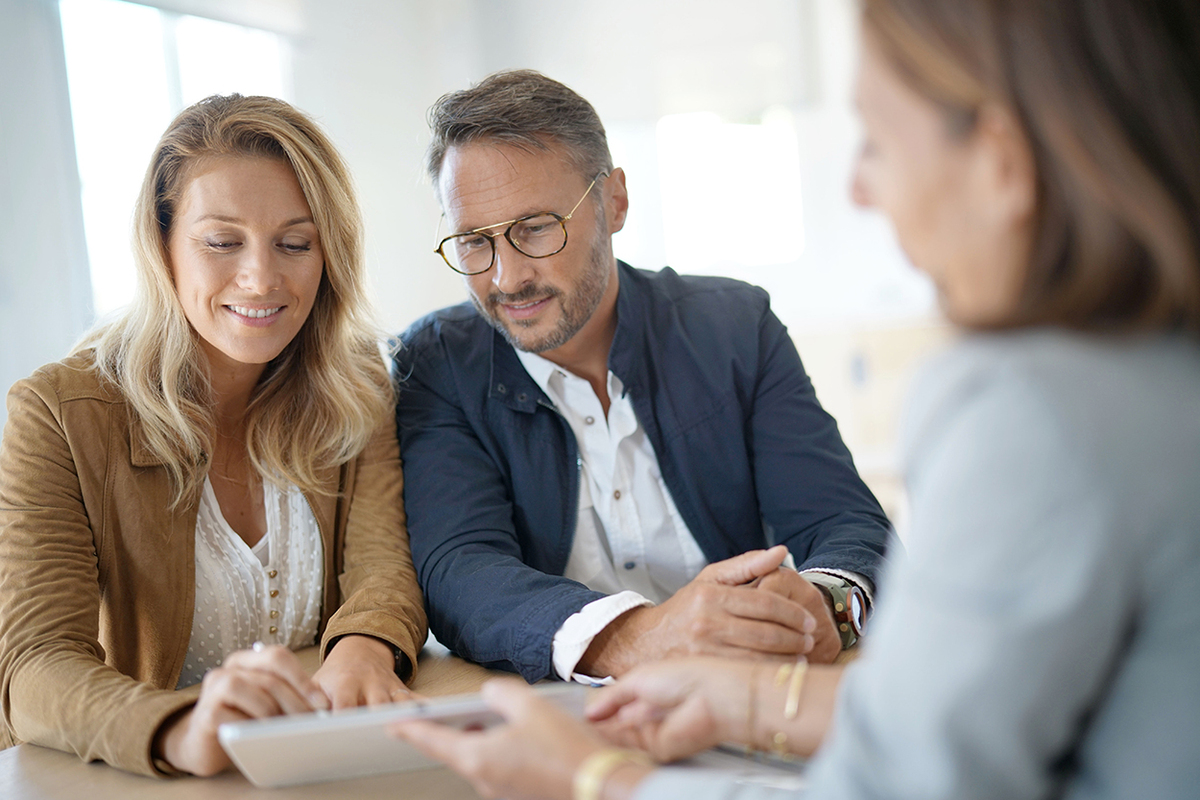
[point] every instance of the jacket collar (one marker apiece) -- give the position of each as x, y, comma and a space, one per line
140, 454
510, 385
624, 357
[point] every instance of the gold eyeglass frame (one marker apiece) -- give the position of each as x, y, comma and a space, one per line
508, 226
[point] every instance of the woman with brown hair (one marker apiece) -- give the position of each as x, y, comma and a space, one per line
1039, 161
213, 480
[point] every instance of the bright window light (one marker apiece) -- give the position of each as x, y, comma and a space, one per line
131, 69
730, 192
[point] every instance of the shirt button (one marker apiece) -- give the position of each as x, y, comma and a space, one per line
274, 613
272, 573
274, 593
630, 564
589, 420
617, 494
273, 629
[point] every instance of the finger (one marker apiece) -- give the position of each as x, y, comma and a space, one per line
744, 568
511, 698
769, 607
685, 732
759, 637
380, 692
610, 699
441, 742
254, 693
403, 694
282, 662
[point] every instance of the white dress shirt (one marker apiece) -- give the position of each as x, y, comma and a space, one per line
630, 541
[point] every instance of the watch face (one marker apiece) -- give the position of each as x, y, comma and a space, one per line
858, 611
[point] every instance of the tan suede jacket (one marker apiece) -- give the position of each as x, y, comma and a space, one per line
97, 576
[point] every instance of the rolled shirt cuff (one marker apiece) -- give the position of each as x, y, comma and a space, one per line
572, 640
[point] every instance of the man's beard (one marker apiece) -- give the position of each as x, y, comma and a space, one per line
577, 307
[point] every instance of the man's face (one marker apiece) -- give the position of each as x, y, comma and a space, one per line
538, 304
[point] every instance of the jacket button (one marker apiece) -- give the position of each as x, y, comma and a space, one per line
522, 397
501, 388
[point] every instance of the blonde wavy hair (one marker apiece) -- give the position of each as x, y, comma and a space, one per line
318, 402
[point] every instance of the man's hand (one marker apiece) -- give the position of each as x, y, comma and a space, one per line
361, 671
792, 585
719, 613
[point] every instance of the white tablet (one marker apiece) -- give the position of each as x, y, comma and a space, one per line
327, 746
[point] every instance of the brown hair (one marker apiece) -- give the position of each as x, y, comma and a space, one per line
1108, 94
318, 402
522, 108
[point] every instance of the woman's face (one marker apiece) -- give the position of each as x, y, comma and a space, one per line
246, 259
961, 202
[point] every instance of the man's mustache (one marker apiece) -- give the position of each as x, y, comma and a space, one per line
525, 295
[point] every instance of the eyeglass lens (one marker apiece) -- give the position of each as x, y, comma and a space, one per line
538, 237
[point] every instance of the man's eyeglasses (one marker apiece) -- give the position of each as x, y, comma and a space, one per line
538, 235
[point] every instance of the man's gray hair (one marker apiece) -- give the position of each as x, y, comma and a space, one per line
522, 108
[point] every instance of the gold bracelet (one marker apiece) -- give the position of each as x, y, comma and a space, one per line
752, 711
588, 783
792, 707
782, 675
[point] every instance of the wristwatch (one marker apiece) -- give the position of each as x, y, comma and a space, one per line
848, 603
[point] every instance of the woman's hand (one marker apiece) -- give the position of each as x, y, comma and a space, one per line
534, 755
250, 684
674, 709
361, 671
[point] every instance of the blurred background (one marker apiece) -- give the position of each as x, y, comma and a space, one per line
734, 123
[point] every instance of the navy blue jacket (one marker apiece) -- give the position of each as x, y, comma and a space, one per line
492, 469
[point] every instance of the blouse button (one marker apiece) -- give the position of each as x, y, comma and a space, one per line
272, 573
630, 565
617, 494
273, 629
589, 420
274, 613
274, 593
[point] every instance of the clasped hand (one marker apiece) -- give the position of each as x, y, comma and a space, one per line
748, 606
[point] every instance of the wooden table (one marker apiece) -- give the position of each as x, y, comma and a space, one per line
29, 772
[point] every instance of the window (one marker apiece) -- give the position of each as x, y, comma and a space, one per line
751, 170
131, 68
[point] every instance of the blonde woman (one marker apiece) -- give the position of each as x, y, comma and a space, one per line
1042, 639
213, 480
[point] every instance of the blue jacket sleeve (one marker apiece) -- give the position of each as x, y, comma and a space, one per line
484, 602
810, 494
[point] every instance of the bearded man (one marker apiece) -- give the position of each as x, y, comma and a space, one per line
605, 465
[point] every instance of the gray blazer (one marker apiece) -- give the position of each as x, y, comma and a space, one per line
1043, 637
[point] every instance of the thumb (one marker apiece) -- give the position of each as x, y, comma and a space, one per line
744, 568
508, 697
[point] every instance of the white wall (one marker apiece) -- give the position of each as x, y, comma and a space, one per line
369, 69
45, 291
